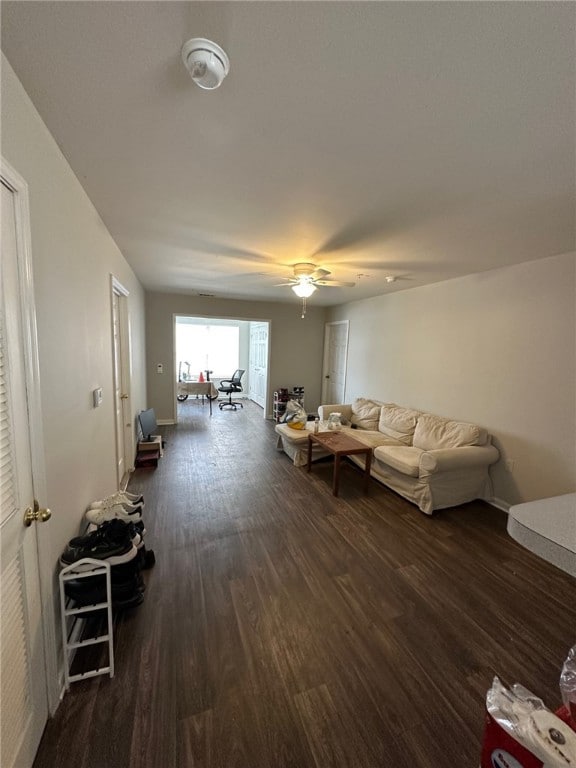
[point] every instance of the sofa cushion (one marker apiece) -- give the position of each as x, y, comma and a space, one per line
365, 413
370, 437
398, 422
434, 432
404, 458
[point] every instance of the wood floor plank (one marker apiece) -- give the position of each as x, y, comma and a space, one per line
285, 628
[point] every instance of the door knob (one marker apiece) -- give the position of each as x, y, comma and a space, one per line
36, 515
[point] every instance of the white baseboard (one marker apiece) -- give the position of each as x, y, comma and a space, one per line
165, 422
499, 504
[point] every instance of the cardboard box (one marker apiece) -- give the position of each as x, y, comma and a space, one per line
151, 445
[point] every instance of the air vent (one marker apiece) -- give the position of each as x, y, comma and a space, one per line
207, 295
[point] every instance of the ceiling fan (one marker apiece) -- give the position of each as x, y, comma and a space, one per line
308, 277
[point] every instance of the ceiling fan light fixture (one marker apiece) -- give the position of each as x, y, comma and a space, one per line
304, 289
207, 62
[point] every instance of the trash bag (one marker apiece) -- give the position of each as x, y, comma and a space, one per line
295, 415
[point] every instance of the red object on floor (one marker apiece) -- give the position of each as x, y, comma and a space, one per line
500, 750
147, 458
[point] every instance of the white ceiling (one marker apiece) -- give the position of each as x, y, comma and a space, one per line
420, 140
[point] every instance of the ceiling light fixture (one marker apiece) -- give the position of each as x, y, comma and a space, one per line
206, 62
304, 289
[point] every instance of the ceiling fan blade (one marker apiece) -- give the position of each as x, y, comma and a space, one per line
319, 273
334, 284
288, 284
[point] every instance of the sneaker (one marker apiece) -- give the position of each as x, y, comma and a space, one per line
118, 498
95, 591
114, 553
102, 514
112, 530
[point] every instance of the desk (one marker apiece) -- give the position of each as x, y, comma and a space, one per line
340, 444
204, 388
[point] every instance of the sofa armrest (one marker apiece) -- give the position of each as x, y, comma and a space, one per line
443, 459
325, 410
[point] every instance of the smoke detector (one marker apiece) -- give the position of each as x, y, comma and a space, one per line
207, 62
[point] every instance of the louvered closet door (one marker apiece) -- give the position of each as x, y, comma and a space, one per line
23, 705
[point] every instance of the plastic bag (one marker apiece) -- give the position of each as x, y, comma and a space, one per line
295, 416
568, 683
524, 716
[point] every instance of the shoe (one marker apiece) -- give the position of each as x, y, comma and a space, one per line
118, 498
102, 514
135, 498
115, 531
92, 590
137, 524
114, 554
115, 540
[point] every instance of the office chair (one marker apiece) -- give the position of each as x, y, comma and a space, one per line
229, 386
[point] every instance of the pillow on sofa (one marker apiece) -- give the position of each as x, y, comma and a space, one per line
398, 422
434, 432
365, 413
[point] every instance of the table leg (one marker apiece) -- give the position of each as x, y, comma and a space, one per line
309, 453
367, 470
210, 403
336, 478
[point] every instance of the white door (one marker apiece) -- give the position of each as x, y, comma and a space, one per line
23, 693
258, 366
121, 361
335, 354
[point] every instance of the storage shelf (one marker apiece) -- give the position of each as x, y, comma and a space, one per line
85, 609
281, 398
78, 631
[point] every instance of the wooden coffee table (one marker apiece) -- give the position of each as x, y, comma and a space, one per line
340, 444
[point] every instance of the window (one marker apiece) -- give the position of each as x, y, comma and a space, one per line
207, 347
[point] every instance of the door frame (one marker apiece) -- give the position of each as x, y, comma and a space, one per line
116, 288
19, 188
327, 330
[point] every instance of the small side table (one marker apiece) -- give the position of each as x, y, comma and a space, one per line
340, 444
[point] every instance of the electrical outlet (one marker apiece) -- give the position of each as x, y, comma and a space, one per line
509, 465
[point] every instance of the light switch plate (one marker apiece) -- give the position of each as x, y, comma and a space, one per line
97, 397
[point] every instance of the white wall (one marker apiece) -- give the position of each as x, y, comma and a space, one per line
73, 257
295, 344
497, 348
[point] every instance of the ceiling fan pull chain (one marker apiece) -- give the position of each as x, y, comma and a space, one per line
303, 307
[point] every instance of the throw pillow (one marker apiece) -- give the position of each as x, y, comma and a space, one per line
365, 413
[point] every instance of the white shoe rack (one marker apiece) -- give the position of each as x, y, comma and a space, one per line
75, 634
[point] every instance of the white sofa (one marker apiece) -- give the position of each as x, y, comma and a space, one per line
431, 461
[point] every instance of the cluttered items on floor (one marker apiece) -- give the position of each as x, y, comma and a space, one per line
521, 732
101, 574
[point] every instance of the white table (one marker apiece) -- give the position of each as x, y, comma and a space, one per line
204, 388
547, 527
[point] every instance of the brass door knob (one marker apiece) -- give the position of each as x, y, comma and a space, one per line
36, 515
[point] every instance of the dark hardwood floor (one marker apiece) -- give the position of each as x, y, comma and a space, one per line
284, 627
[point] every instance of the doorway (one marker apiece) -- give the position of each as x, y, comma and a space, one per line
335, 360
121, 384
216, 347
